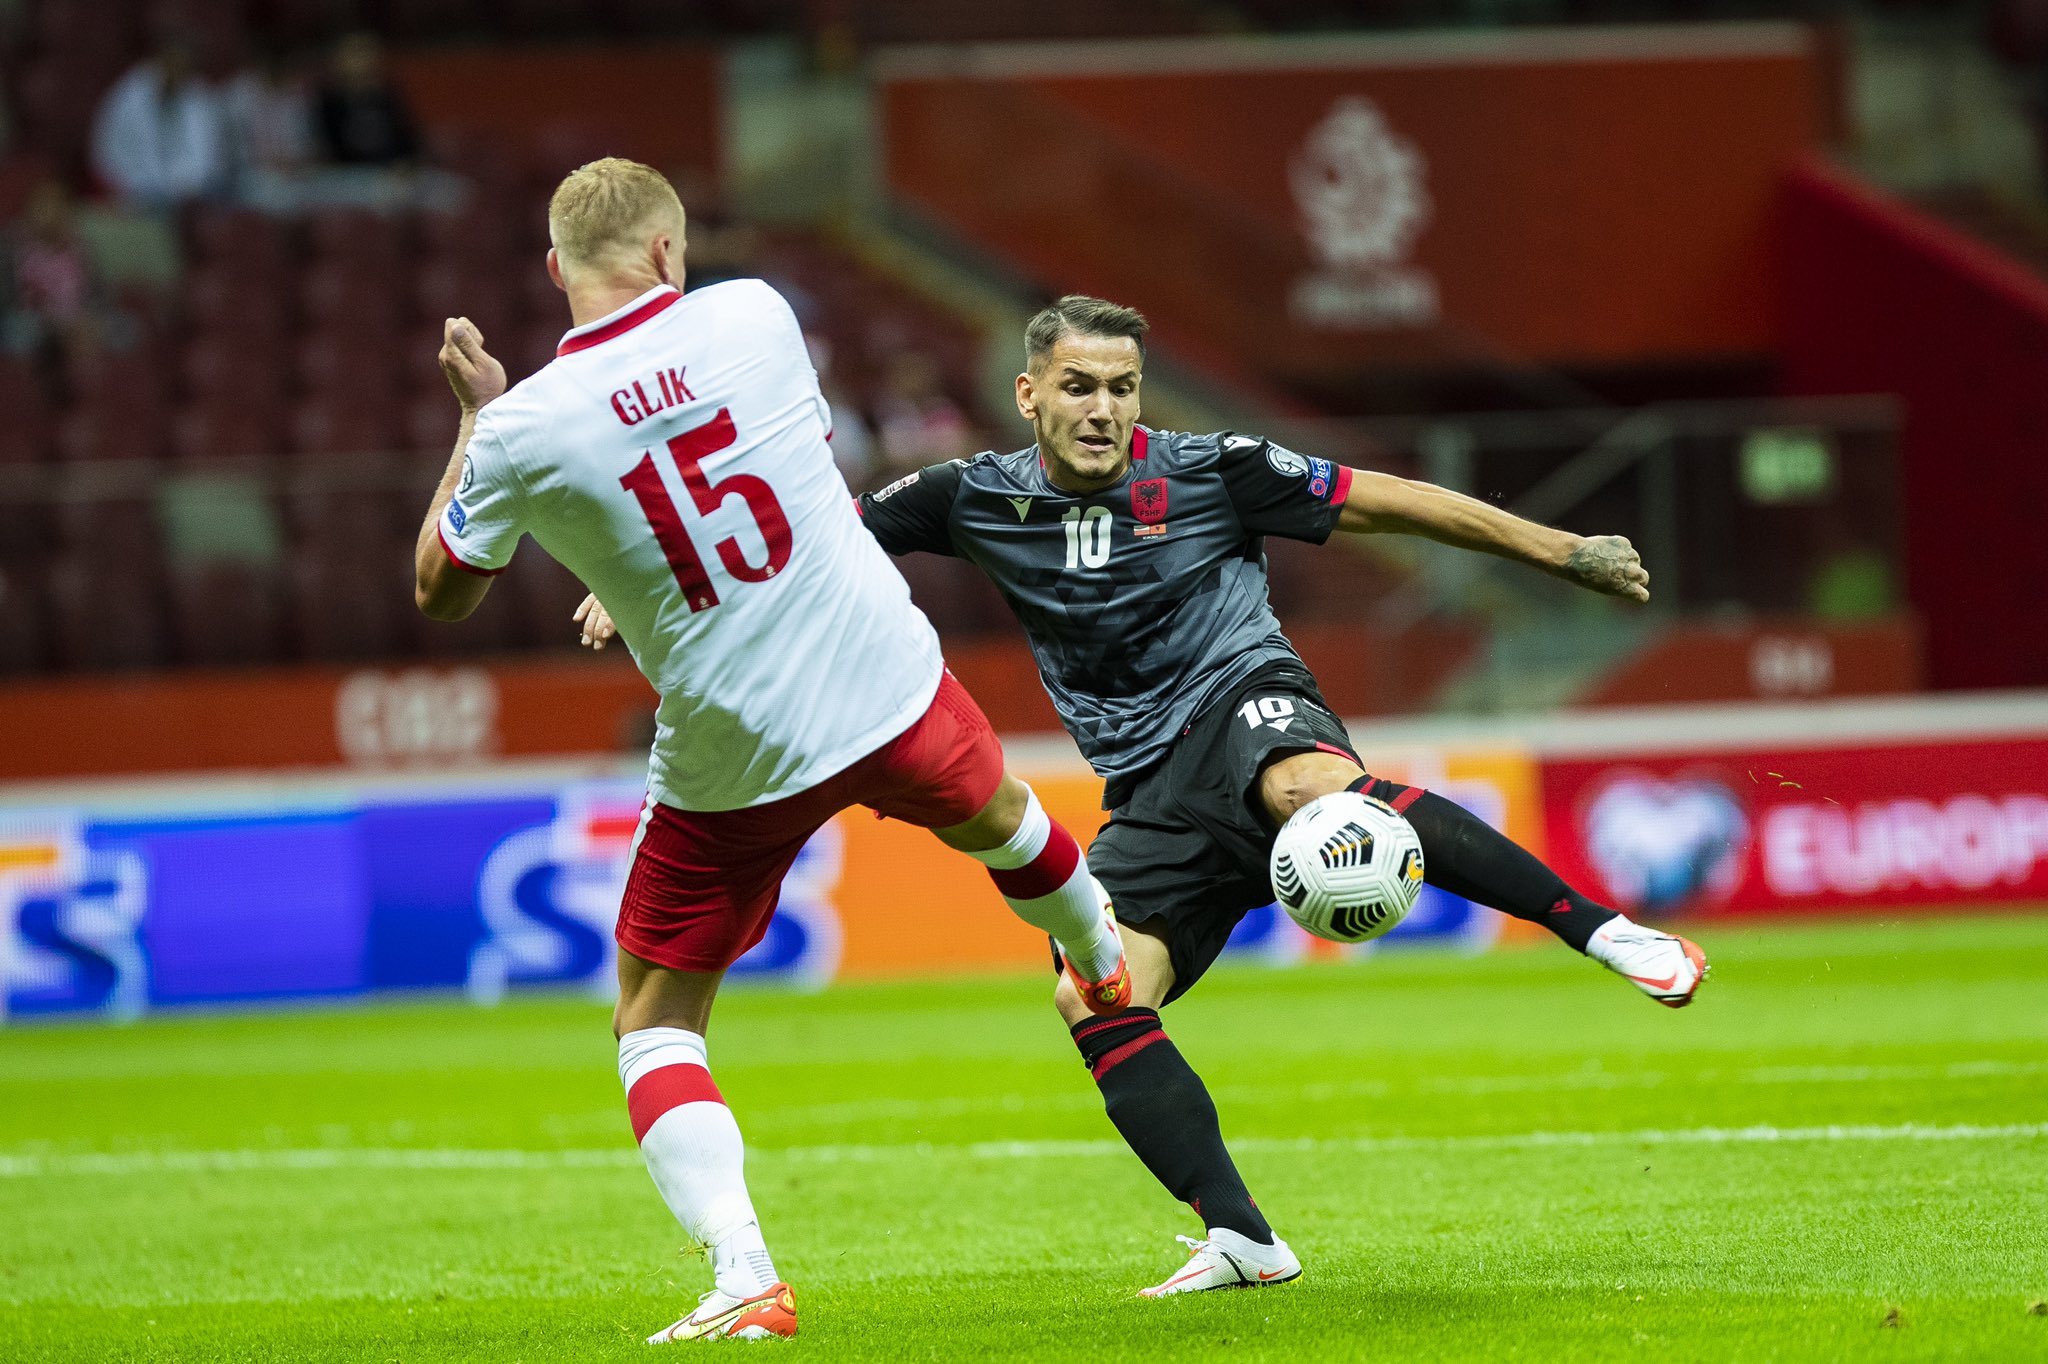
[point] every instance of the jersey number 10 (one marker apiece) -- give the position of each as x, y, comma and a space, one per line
688, 451
1087, 537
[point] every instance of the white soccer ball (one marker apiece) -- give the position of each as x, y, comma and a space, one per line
1347, 867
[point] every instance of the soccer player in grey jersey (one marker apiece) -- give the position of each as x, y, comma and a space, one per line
1133, 558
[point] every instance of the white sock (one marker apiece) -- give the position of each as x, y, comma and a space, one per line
693, 1150
1044, 880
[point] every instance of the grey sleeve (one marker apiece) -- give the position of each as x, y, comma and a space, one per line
915, 512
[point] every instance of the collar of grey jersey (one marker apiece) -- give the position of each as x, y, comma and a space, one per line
620, 321
1141, 442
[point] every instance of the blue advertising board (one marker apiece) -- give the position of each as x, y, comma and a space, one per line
317, 893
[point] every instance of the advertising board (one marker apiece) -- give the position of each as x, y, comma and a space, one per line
1793, 829
302, 889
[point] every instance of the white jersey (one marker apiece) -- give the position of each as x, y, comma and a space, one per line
673, 456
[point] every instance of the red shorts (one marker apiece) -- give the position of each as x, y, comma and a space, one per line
705, 883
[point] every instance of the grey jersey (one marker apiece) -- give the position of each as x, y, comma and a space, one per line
1142, 601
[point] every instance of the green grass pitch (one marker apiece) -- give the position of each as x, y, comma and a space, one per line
1840, 1152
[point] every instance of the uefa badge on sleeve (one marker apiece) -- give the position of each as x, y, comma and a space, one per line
1148, 504
1319, 471
457, 517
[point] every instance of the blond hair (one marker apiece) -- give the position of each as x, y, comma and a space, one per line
606, 207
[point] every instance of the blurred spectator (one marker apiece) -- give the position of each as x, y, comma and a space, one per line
53, 299
366, 143
853, 445
269, 118
158, 138
919, 424
362, 116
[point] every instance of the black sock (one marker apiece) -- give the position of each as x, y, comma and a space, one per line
1165, 1115
1468, 857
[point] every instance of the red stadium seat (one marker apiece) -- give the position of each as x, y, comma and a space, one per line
560, 148
542, 301
534, 347
28, 534
354, 296
376, 240
227, 613
546, 595
343, 424
348, 604
242, 240
135, 383
430, 421
26, 430
467, 240
539, 18
416, 19
214, 429
417, 352
235, 367
360, 367
56, 99
24, 627
442, 290
120, 529
95, 434
107, 614
253, 307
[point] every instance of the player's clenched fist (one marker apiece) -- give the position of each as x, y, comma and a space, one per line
1610, 564
596, 622
473, 372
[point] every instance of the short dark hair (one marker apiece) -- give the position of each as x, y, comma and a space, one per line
1080, 315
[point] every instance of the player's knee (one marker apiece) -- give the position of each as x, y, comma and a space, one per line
1293, 782
1005, 811
995, 824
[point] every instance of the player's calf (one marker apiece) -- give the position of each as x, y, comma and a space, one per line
694, 1152
1039, 870
1165, 1115
1471, 859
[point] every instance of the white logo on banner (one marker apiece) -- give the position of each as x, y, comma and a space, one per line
1360, 189
70, 921
1666, 845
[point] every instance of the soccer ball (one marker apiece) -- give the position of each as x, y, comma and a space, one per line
1347, 867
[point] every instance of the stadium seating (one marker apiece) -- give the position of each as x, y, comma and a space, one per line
301, 349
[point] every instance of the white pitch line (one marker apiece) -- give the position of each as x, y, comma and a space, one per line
588, 1158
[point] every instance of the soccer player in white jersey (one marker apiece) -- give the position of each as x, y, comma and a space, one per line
673, 456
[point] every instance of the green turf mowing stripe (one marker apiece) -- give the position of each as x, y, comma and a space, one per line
441, 1158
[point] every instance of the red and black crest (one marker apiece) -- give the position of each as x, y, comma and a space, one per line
1148, 500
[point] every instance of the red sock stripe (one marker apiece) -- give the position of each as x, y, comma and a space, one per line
1043, 874
656, 1092
1120, 1021
1407, 798
1124, 1053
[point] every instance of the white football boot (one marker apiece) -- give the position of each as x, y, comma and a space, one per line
1663, 966
1228, 1259
721, 1316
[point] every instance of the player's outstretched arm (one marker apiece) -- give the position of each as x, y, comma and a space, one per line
1382, 504
440, 590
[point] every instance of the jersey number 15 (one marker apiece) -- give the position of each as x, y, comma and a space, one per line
688, 451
